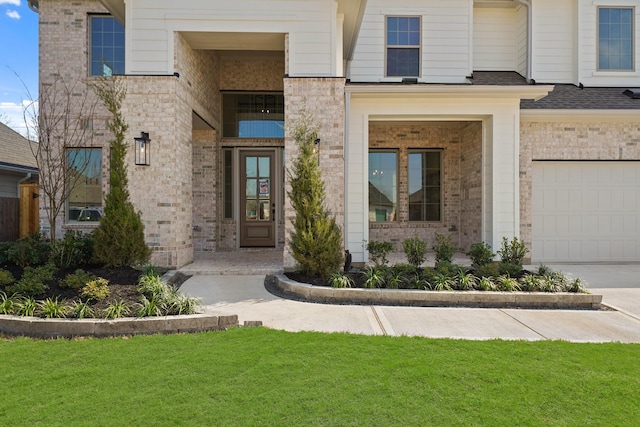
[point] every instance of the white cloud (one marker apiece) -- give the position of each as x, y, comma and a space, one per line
12, 114
13, 14
11, 2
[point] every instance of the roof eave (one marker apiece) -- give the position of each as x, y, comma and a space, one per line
534, 92
116, 8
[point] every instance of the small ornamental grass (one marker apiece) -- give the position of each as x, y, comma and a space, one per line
340, 280
52, 308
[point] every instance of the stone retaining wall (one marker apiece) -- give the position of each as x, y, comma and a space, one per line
287, 288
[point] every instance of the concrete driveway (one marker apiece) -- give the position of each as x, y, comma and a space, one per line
246, 297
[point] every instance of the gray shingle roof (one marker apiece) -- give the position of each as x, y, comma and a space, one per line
14, 149
564, 96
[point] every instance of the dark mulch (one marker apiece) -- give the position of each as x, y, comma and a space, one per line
122, 284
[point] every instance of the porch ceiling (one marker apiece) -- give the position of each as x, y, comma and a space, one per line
235, 41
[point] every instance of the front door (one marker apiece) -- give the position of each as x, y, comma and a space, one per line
257, 199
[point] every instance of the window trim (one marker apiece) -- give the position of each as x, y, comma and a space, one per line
387, 46
90, 17
441, 155
397, 190
616, 71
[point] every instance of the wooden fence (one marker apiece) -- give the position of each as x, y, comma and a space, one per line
9, 219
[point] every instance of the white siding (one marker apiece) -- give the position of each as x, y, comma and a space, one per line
521, 40
446, 28
554, 33
309, 23
494, 39
588, 73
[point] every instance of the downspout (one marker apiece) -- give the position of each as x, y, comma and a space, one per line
527, 3
26, 178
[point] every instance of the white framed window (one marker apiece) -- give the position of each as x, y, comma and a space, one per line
615, 38
402, 40
84, 185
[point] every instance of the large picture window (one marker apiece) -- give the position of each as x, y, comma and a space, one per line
403, 46
425, 185
84, 185
106, 48
383, 186
615, 38
253, 115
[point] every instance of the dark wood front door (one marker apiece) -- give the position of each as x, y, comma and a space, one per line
257, 198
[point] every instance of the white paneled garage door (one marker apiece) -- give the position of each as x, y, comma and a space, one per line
586, 211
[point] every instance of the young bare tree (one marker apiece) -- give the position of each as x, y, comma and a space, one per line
60, 122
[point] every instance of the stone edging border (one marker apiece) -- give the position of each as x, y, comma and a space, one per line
287, 288
68, 328
37, 327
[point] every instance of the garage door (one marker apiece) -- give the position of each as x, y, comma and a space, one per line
586, 211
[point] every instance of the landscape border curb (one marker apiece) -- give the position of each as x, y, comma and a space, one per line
37, 327
282, 286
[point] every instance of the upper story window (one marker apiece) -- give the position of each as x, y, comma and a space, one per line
403, 46
253, 115
615, 38
106, 46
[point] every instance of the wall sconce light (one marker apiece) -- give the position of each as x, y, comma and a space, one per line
143, 153
316, 148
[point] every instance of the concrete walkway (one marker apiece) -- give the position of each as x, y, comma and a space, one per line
619, 285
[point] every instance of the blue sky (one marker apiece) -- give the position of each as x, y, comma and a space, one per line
18, 55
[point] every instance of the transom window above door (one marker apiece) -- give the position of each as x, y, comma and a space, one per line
253, 115
403, 34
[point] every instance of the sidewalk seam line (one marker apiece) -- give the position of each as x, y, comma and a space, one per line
524, 324
375, 314
622, 311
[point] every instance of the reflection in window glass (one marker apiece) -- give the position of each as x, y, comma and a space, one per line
84, 202
424, 186
615, 38
383, 186
107, 46
403, 46
253, 115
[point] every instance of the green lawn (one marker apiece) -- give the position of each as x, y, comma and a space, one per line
261, 377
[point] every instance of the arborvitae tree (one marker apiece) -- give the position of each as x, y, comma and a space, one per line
316, 241
119, 239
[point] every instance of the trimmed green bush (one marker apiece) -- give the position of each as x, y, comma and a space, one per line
29, 251
444, 248
33, 281
6, 278
77, 279
378, 252
96, 289
416, 250
480, 254
512, 252
74, 249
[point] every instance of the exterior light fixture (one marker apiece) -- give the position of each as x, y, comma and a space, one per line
143, 153
316, 148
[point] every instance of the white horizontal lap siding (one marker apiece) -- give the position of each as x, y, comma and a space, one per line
494, 39
554, 41
151, 24
521, 40
445, 40
588, 46
586, 211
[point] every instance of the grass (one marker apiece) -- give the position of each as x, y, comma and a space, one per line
257, 376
